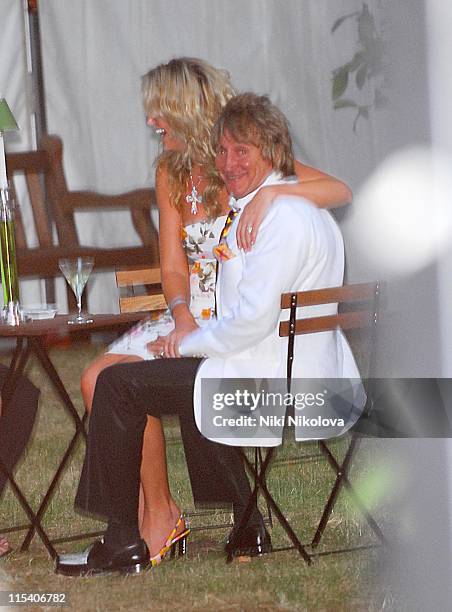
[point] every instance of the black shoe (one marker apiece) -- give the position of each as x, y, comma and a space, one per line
102, 559
252, 542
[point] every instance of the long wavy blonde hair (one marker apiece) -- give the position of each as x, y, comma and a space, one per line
189, 94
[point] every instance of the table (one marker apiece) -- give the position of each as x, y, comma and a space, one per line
30, 340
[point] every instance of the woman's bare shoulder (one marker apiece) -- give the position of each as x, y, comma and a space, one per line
162, 177
163, 190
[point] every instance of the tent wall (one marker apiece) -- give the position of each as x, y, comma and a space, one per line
94, 54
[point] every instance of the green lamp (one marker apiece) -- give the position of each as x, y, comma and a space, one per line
7, 121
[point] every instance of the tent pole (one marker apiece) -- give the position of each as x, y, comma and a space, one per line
35, 71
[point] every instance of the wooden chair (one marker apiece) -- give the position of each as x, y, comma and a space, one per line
53, 209
358, 309
143, 290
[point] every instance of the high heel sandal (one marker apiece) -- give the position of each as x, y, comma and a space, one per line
173, 543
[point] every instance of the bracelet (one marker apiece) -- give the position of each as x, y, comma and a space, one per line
179, 299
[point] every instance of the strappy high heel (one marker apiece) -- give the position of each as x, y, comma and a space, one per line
174, 543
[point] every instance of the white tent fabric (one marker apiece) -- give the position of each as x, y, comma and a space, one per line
94, 54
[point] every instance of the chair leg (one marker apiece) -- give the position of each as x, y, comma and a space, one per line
260, 480
343, 480
250, 505
257, 464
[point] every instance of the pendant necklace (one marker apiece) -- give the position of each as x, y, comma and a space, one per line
194, 198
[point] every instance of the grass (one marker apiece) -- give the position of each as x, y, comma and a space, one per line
275, 582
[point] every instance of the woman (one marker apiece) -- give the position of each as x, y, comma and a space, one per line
182, 100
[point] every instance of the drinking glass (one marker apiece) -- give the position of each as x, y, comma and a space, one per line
76, 272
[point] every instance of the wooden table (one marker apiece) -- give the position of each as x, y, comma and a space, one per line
30, 340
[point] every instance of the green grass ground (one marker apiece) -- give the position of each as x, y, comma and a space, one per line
281, 581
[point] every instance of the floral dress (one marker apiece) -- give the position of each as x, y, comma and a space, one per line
198, 240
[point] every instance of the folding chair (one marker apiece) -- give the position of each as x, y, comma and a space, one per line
359, 304
358, 310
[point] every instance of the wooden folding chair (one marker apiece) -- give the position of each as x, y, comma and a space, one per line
357, 310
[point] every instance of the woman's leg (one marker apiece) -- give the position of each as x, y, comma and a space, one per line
155, 497
91, 373
125, 395
159, 511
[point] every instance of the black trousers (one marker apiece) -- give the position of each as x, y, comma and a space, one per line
16, 422
125, 394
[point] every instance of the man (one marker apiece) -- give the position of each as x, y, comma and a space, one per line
253, 148
298, 248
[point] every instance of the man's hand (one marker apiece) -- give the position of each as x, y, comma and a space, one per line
168, 346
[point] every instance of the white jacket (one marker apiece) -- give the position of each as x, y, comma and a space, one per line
298, 247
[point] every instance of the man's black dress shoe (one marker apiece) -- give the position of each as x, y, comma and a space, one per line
103, 559
252, 542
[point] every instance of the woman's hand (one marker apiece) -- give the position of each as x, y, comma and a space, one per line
321, 189
168, 346
252, 216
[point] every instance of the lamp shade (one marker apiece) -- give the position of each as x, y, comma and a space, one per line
7, 121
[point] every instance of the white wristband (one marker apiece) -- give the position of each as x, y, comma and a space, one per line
179, 299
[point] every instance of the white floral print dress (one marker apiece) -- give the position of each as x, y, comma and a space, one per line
198, 240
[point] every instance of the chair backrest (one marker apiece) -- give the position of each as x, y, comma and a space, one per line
143, 290
357, 309
32, 165
54, 206
65, 203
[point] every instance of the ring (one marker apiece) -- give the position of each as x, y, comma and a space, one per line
162, 353
249, 229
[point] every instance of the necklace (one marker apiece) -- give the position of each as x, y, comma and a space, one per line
194, 198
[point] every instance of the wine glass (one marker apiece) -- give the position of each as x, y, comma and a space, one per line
76, 272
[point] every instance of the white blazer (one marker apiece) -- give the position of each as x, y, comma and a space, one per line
298, 247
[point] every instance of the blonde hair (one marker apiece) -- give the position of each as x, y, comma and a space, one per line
189, 94
254, 119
